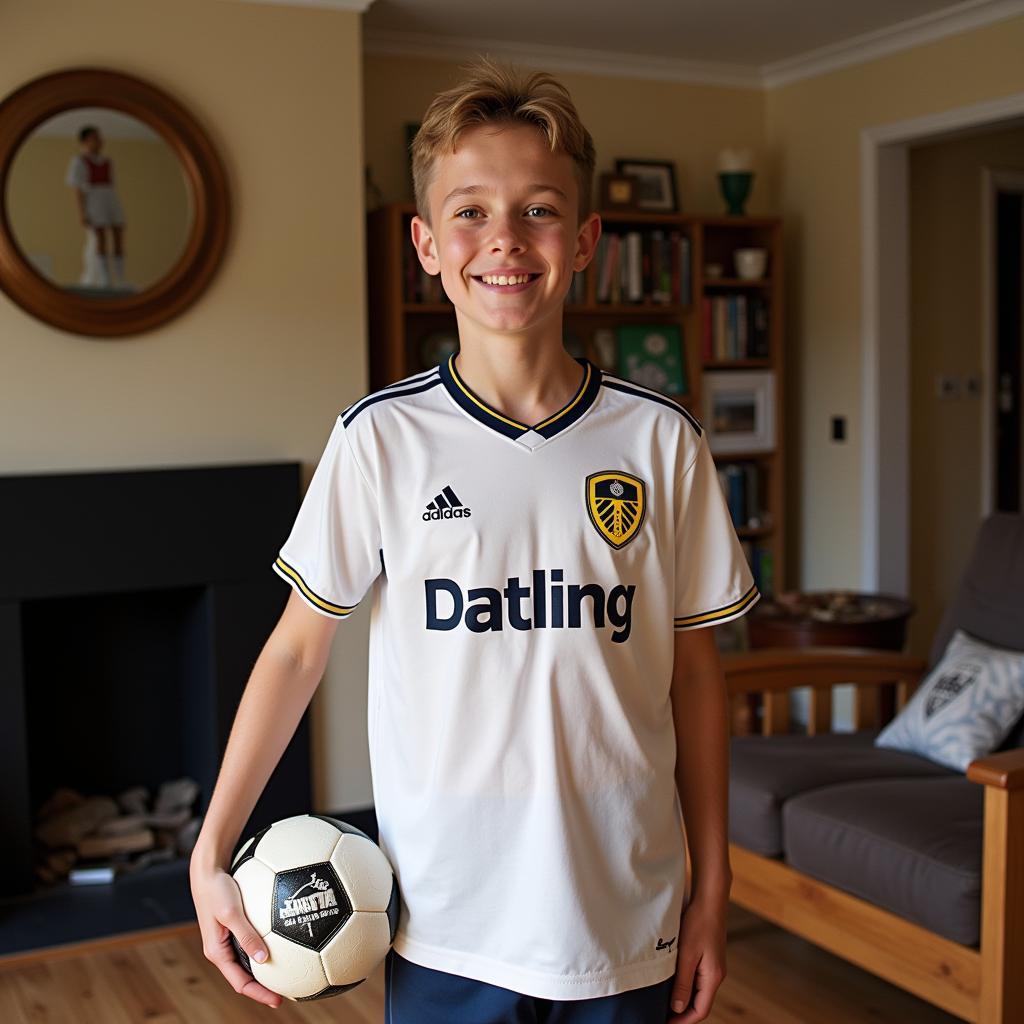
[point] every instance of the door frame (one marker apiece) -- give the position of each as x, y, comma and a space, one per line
885, 326
993, 181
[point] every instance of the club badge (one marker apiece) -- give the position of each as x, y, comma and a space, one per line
616, 503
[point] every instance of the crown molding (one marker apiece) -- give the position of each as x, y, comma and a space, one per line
359, 6
904, 35
559, 58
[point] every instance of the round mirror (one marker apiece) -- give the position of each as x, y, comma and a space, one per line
113, 203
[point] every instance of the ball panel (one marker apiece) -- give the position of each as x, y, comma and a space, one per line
342, 826
301, 839
291, 970
247, 849
310, 905
331, 990
256, 884
394, 907
240, 954
358, 949
364, 871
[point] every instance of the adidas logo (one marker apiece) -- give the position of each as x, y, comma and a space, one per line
446, 505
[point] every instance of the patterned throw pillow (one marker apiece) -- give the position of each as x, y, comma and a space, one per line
964, 708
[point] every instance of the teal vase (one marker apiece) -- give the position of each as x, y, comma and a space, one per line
735, 186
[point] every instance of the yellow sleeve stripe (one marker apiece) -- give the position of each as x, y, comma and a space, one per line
290, 573
720, 613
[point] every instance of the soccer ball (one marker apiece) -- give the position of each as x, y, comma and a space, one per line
325, 901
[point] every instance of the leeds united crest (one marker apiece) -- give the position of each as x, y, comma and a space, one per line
616, 503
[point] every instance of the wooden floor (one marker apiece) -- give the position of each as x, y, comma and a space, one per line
162, 977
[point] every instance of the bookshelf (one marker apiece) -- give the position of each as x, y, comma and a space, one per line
727, 325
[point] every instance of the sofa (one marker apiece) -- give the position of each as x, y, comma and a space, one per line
909, 869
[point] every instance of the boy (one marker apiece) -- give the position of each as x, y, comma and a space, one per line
544, 541
92, 177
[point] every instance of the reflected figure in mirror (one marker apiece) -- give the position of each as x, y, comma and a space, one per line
91, 174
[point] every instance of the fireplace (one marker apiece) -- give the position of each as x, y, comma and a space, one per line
133, 605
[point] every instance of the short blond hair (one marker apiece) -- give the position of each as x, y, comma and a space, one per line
491, 93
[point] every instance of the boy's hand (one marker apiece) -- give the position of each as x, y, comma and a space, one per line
700, 961
220, 913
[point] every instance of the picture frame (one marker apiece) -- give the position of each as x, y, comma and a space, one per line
653, 356
656, 188
739, 410
618, 191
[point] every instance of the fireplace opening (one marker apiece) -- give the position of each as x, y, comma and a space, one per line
128, 631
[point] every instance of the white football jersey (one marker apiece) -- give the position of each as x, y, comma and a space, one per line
527, 583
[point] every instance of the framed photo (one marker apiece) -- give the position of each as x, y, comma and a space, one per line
739, 410
656, 189
618, 191
652, 355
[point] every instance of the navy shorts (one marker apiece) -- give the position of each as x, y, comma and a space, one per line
420, 995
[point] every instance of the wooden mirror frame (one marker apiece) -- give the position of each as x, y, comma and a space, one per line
44, 97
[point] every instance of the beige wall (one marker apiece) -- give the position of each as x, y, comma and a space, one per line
814, 126
636, 118
259, 367
946, 338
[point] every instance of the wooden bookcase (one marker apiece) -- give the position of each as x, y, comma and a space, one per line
399, 325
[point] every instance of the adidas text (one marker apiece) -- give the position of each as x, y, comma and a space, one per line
448, 513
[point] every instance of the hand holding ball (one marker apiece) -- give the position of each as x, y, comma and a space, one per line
324, 899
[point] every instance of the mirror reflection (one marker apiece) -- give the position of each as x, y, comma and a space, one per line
99, 203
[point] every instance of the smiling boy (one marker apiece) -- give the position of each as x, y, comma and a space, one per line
544, 706
555, 864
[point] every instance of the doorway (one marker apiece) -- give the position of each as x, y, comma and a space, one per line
1003, 296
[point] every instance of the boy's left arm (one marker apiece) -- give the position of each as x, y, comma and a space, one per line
700, 712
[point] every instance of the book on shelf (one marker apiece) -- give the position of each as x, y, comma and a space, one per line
744, 486
734, 327
651, 266
577, 294
759, 558
419, 286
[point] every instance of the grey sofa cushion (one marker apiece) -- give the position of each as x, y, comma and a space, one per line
765, 771
912, 846
989, 602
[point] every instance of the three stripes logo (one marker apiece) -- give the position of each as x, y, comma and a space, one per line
446, 505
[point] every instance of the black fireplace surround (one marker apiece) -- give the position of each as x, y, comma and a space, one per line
133, 605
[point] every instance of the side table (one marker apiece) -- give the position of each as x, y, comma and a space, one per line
830, 618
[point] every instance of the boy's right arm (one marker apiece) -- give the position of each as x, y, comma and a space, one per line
280, 687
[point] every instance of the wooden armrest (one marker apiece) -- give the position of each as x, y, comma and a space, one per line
1004, 770
784, 668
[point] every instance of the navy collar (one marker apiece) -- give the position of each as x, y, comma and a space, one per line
580, 402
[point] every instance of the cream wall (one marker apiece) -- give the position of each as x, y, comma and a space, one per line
628, 117
946, 338
260, 366
814, 126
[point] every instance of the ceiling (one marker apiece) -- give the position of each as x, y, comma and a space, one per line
741, 42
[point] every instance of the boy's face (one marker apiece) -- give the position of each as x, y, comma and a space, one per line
521, 216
